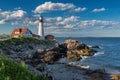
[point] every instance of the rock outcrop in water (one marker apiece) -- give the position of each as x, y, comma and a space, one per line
71, 49
81, 48
77, 49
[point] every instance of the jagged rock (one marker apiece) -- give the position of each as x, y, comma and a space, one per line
78, 49
41, 67
71, 44
115, 76
40, 51
30, 47
50, 78
8, 51
98, 74
63, 48
95, 46
72, 55
48, 56
85, 52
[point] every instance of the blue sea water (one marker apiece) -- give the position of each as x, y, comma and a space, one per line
108, 56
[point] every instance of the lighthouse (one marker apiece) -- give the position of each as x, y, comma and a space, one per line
40, 28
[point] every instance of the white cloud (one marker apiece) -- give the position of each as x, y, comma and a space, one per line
59, 18
11, 16
98, 10
68, 20
2, 21
79, 9
49, 6
60, 21
58, 25
16, 14
96, 24
72, 23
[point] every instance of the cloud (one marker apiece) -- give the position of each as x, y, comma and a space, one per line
60, 21
11, 16
99, 10
79, 9
97, 23
72, 23
16, 14
59, 25
2, 21
49, 6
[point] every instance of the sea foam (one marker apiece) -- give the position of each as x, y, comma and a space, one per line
99, 53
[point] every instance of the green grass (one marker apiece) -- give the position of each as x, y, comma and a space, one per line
24, 40
10, 70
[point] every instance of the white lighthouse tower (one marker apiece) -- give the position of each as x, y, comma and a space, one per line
40, 28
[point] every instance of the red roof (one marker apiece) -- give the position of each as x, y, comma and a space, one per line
18, 31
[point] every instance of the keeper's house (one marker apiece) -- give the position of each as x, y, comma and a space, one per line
18, 32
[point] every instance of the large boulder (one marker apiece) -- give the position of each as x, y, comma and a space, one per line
98, 74
78, 48
71, 49
95, 46
72, 55
71, 44
50, 57
47, 56
63, 48
7, 51
115, 76
85, 52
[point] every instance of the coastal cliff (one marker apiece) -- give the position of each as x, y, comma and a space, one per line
44, 57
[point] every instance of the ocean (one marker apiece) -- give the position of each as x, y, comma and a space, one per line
107, 57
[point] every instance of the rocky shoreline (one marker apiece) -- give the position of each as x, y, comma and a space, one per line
44, 58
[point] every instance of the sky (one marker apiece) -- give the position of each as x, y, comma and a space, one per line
62, 18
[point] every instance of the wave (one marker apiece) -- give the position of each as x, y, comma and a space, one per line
96, 54
99, 53
83, 58
74, 63
79, 65
95, 46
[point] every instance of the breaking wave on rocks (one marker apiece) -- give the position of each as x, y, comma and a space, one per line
108, 55
84, 57
99, 53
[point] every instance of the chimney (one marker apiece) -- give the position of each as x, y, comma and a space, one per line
40, 28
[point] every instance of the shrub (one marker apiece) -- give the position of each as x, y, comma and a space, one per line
10, 70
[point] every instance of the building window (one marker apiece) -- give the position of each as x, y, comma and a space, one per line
16, 36
17, 32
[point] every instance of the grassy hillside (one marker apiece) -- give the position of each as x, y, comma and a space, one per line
10, 70
24, 40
